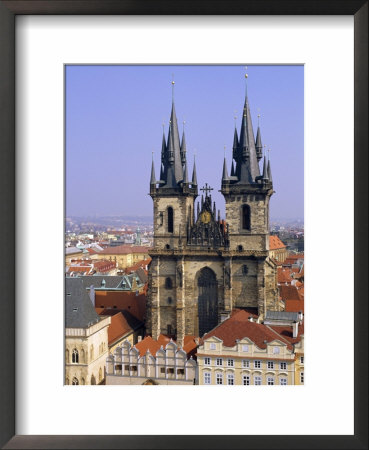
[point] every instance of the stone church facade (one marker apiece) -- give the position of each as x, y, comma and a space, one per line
202, 266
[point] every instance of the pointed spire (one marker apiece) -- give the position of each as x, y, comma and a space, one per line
183, 147
235, 139
265, 169
153, 178
258, 144
185, 173
232, 169
225, 171
194, 174
269, 170
214, 211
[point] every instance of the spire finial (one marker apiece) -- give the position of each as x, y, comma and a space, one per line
258, 117
173, 83
246, 76
268, 154
152, 156
235, 118
183, 123
163, 125
225, 151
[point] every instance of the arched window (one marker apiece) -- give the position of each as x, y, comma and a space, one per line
167, 247
91, 352
246, 217
170, 219
75, 357
93, 380
83, 359
100, 374
168, 283
245, 269
239, 248
75, 381
170, 300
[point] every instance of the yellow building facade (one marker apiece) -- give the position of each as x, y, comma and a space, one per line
245, 363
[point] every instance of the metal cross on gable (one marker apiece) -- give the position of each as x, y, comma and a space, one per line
206, 189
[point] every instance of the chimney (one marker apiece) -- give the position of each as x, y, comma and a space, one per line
295, 329
301, 316
139, 338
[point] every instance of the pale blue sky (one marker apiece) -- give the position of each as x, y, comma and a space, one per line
114, 117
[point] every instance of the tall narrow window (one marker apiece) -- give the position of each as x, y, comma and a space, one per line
170, 219
75, 357
75, 381
245, 217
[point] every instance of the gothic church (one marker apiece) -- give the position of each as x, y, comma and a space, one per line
202, 266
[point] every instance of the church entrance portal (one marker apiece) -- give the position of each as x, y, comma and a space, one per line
207, 301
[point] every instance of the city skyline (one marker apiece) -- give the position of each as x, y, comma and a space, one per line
114, 121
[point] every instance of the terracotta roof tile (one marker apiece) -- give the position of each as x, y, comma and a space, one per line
275, 243
238, 327
125, 300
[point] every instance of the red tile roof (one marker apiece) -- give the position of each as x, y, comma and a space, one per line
148, 343
118, 328
275, 243
125, 250
294, 305
289, 292
127, 300
140, 264
286, 332
284, 275
238, 326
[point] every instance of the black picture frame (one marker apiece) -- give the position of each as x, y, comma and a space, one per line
8, 12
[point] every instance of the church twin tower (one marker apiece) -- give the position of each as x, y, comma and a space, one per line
202, 266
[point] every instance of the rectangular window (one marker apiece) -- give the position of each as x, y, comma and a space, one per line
126, 367
301, 359
283, 366
213, 346
245, 380
230, 363
270, 365
162, 369
207, 378
230, 378
180, 371
134, 368
257, 364
245, 348
170, 370
275, 350
207, 361
219, 361
270, 381
257, 381
283, 381
219, 378
246, 363
302, 377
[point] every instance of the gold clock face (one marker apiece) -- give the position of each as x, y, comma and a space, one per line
205, 217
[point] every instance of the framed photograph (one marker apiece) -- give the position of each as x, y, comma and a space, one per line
83, 74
